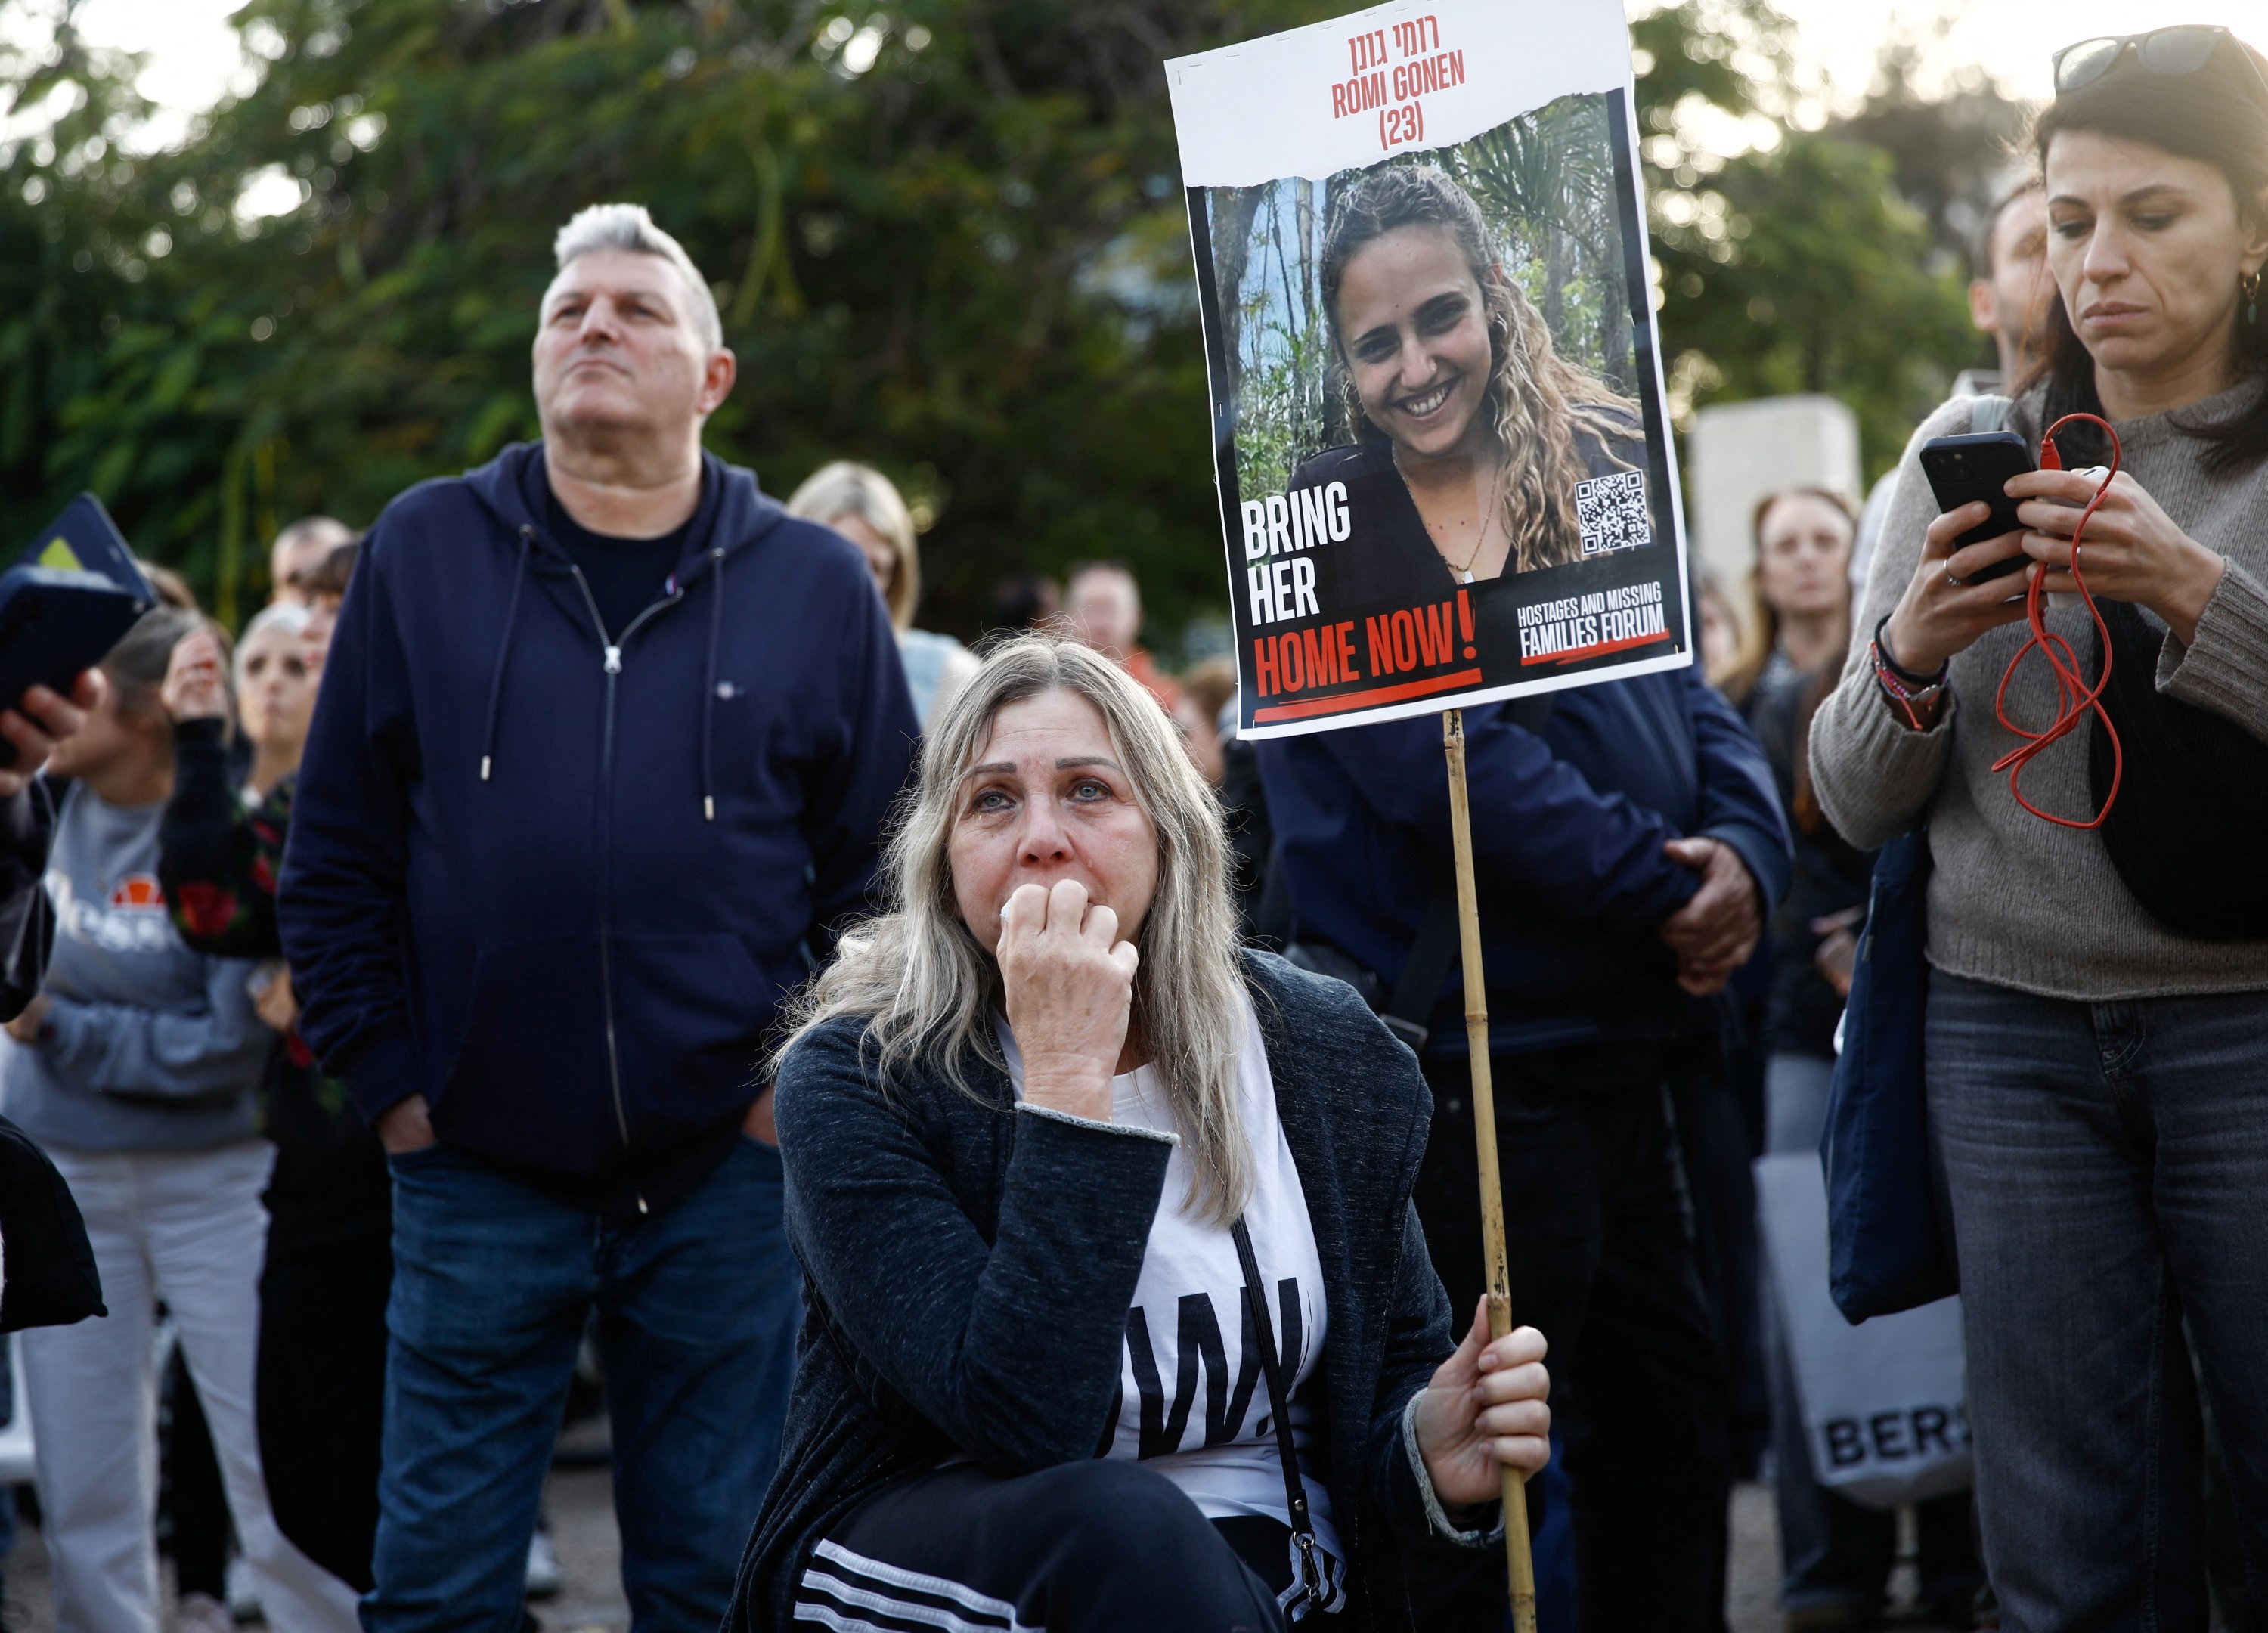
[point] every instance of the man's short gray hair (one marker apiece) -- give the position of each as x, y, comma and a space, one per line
629, 226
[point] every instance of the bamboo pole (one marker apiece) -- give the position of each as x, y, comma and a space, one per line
1477, 1042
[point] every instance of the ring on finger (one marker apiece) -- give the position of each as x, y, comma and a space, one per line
1950, 579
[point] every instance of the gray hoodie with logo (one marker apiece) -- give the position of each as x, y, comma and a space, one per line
147, 1046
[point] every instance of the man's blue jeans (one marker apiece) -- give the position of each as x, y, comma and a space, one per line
492, 1286
2108, 1164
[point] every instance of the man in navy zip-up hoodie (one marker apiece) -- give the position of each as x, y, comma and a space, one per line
603, 751
1626, 855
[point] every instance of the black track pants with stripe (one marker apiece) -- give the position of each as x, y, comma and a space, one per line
1103, 1547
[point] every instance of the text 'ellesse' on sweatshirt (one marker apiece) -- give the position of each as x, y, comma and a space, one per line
147, 1046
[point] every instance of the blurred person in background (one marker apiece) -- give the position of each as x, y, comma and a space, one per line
1835, 1555
2009, 293
136, 1066
602, 754
173, 589
1025, 601
2096, 1076
1204, 715
1104, 605
325, 586
863, 505
1798, 616
1790, 626
299, 549
275, 694
193, 1524
2009, 289
1209, 705
1720, 630
276, 665
329, 1263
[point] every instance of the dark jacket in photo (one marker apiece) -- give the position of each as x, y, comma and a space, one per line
1390, 560
969, 1268
1568, 830
557, 883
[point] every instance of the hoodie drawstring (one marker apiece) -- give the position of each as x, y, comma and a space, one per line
504, 650
709, 694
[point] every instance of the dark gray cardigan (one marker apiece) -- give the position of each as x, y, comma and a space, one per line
969, 1268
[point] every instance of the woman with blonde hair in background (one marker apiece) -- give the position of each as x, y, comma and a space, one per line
1798, 617
863, 505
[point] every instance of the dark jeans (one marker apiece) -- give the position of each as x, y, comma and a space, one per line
1601, 1261
1718, 1159
321, 1393
2107, 1165
1832, 1550
493, 1283
1101, 1547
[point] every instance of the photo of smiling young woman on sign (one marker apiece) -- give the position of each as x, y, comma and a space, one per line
1473, 434
1440, 446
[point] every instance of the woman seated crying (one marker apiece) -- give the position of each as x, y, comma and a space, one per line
1118, 1316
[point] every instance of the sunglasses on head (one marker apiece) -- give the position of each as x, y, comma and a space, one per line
2184, 48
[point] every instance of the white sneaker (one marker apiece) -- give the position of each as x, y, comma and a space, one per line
544, 1577
243, 1597
201, 1613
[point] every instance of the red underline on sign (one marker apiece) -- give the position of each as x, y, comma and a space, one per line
1600, 650
1371, 699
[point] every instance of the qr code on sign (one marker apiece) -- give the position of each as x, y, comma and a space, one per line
1612, 512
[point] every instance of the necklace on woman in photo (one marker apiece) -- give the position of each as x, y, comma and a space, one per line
1488, 520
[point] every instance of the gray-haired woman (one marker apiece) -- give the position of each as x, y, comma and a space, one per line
1074, 1182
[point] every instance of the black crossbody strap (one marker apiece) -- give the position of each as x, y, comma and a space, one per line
1408, 1013
1279, 1405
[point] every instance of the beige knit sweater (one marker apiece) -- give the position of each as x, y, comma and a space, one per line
2015, 901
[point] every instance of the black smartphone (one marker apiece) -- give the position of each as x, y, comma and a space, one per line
55, 624
1962, 470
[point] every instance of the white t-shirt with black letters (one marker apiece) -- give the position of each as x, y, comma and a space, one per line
1193, 1400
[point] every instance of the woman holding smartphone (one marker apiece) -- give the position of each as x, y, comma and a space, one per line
2097, 1079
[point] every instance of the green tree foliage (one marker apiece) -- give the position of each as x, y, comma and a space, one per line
1798, 266
947, 237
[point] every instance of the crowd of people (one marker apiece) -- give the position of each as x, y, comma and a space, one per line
1008, 1142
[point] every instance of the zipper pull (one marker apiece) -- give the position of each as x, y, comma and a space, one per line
614, 660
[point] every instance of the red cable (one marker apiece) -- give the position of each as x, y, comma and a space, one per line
2073, 696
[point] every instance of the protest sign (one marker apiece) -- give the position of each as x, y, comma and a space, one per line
1445, 468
